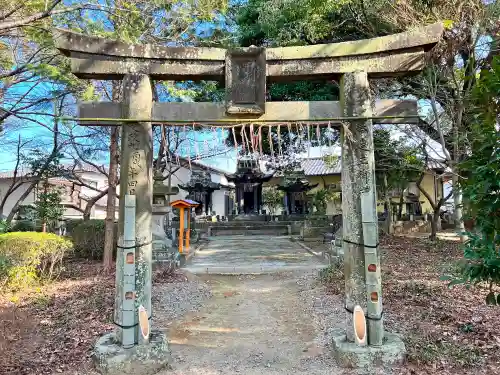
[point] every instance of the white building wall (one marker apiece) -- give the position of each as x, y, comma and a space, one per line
180, 177
13, 198
98, 211
218, 204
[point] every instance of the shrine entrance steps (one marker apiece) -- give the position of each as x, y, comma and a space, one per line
250, 228
252, 254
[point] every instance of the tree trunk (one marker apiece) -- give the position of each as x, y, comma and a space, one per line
53, 155
90, 203
20, 200
109, 240
390, 227
44, 219
16, 184
435, 225
400, 208
109, 235
457, 191
458, 203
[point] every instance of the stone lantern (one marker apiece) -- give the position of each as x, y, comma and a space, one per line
160, 209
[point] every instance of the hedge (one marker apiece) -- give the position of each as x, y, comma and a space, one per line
88, 239
26, 257
71, 224
24, 226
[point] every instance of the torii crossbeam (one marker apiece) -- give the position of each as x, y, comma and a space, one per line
245, 72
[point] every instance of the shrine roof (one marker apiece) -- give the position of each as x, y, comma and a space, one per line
248, 176
297, 186
184, 203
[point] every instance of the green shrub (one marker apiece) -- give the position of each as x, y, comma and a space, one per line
71, 224
481, 189
88, 239
24, 226
4, 227
26, 257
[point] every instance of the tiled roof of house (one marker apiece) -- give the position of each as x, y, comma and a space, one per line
438, 164
318, 167
310, 166
10, 174
83, 167
185, 163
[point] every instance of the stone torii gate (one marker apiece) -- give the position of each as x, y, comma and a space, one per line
245, 72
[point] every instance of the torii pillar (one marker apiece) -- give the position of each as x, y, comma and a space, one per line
134, 348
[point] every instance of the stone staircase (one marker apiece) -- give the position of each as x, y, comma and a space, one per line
250, 228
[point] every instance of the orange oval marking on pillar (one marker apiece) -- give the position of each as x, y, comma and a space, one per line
372, 267
359, 322
144, 322
130, 258
374, 296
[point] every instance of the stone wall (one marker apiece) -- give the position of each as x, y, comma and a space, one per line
412, 226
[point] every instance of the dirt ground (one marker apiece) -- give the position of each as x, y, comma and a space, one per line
268, 324
253, 324
446, 331
51, 329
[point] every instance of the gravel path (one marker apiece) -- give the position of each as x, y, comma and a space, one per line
174, 300
271, 324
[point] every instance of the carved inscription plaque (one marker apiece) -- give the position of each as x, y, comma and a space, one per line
246, 81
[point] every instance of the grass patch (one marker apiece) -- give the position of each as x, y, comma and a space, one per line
42, 301
421, 350
416, 288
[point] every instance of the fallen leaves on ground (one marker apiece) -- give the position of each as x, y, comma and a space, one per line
52, 328
446, 331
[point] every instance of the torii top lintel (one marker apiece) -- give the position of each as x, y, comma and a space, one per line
98, 58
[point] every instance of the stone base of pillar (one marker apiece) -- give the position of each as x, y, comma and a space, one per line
112, 359
368, 359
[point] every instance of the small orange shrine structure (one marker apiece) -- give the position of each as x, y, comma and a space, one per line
184, 206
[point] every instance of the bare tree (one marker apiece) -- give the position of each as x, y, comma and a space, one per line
18, 177
437, 203
16, 15
469, 44
44, 168
109, 239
